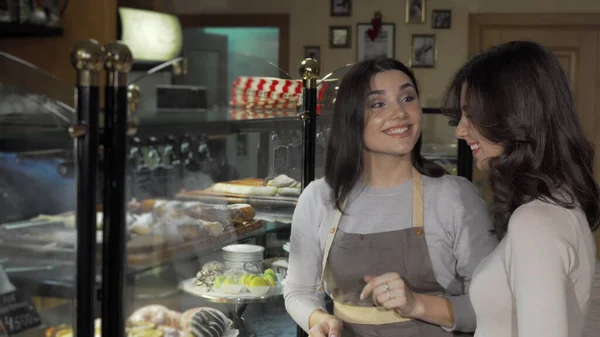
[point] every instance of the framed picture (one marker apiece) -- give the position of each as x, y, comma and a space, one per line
339, 36
415, 11
341, 7
441, 19
423, 51
313, 52
383, 45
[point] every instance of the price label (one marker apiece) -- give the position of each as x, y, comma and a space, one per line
18, 313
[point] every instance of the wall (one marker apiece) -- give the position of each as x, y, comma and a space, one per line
310, 22
83, 19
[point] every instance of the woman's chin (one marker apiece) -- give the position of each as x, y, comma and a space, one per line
483, 165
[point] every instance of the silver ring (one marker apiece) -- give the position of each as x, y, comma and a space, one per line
388, 293
387, 287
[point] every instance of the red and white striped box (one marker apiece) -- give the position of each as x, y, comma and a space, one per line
268, 93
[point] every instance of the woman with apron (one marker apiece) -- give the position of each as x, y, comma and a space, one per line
387, 234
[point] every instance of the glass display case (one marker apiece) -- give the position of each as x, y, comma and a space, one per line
37, 250
212, 172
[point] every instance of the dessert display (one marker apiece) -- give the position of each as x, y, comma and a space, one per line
156, 229
236, 282
160, 321
280, 185
197, 322
276, 190
235, 278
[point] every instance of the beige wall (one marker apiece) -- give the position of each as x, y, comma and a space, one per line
310, 21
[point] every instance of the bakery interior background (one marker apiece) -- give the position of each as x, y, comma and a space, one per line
310, 21
309, 25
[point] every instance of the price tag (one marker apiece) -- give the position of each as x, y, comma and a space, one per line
18, 313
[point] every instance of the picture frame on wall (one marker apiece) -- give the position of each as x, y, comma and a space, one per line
313, 52
341, 7
441, 19
415, 11
339, 36
423, 51
383, 45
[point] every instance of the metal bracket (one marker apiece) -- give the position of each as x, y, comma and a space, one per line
77, 130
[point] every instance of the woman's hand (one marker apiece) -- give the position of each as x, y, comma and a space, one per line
328, 327
390, 291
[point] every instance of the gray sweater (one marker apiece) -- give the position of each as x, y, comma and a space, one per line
457, 233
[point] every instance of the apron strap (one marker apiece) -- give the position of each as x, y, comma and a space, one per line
417, 211
417, 221
329, 243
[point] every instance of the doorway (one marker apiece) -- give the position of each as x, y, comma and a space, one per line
575, 39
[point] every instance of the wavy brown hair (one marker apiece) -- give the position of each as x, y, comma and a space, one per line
519, 96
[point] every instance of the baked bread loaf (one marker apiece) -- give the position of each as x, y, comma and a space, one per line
233, 187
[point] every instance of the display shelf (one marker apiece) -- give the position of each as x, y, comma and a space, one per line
56, 278
13, 29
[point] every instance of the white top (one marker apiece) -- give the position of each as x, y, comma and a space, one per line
457, 230
537, 281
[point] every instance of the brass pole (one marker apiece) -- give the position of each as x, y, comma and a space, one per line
309, 71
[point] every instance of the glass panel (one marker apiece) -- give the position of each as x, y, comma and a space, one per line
37, 199
206, 86
439, 142
205, 176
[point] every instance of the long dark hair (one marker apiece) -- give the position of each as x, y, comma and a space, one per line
344, 161
518, 96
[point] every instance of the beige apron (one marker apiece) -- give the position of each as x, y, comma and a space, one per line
348, 257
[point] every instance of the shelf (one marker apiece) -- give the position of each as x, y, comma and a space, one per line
11, 29
57, 278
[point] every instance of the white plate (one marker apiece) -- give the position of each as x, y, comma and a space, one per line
243, 248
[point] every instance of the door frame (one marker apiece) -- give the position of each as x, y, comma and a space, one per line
585, 21
477, 21
281, 21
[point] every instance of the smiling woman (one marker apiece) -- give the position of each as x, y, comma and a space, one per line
518, 113
381, 96
386, 232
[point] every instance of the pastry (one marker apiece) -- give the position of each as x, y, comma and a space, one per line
156, 314
134, 206
281, 180
205, 322
222, 213
173, 332
146, 205
213, 228
206, 277
232, 188
289, 191
142, 224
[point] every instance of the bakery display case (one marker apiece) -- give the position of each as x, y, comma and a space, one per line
157, 205
36, 179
